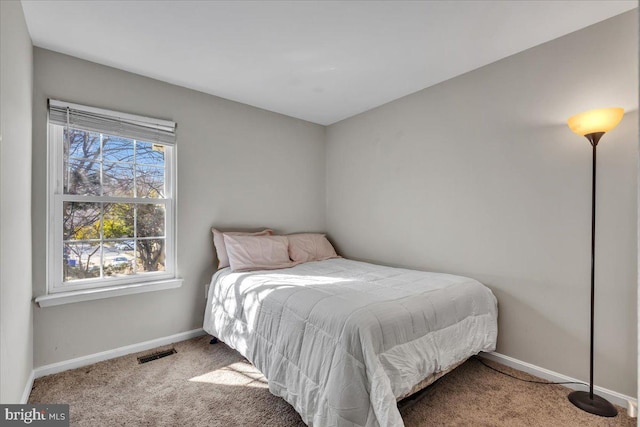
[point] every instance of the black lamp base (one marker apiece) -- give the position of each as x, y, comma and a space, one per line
596, 406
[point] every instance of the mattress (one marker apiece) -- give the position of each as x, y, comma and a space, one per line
342, 340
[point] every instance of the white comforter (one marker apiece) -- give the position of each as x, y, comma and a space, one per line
340, 340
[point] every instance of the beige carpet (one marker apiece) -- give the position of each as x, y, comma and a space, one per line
212, 385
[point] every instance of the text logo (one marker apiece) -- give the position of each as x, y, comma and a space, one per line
35, 415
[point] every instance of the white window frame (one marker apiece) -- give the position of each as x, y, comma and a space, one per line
60, 292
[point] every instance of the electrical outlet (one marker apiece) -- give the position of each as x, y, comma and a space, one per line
632, 408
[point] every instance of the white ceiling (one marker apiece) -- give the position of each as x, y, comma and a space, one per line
321, 61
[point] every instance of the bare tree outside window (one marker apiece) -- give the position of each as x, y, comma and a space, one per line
109, 238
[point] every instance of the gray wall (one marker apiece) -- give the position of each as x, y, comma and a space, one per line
16, 314
480, 176
237, 165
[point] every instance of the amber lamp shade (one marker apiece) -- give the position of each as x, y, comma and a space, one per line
595, 121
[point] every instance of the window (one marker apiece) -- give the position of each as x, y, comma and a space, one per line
111, 199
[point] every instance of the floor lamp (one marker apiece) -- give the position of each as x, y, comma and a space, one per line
592, 125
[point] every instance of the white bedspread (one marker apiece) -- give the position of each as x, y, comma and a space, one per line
340, 340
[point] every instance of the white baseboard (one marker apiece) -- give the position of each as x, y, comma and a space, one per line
79, 362
610, 395
27, 388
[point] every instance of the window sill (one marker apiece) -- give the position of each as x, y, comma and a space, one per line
114, 291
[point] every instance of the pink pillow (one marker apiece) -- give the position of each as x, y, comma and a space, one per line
257, 252
221, 250
306, 247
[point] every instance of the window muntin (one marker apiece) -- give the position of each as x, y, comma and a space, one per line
111, 209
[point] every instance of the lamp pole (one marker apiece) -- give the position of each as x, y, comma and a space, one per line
593, 138
590, 402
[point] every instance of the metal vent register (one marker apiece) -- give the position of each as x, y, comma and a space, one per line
156, 355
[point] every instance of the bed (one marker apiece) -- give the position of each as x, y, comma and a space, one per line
342, 341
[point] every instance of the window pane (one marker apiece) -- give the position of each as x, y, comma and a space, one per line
117, 149
81, 221
116, 263
118, 179
150, 255
118, 220
149, 154
82, 176
150, 181
150, 220
81, 261
82, 144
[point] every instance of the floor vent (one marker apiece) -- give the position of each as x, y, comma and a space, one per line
156, 355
